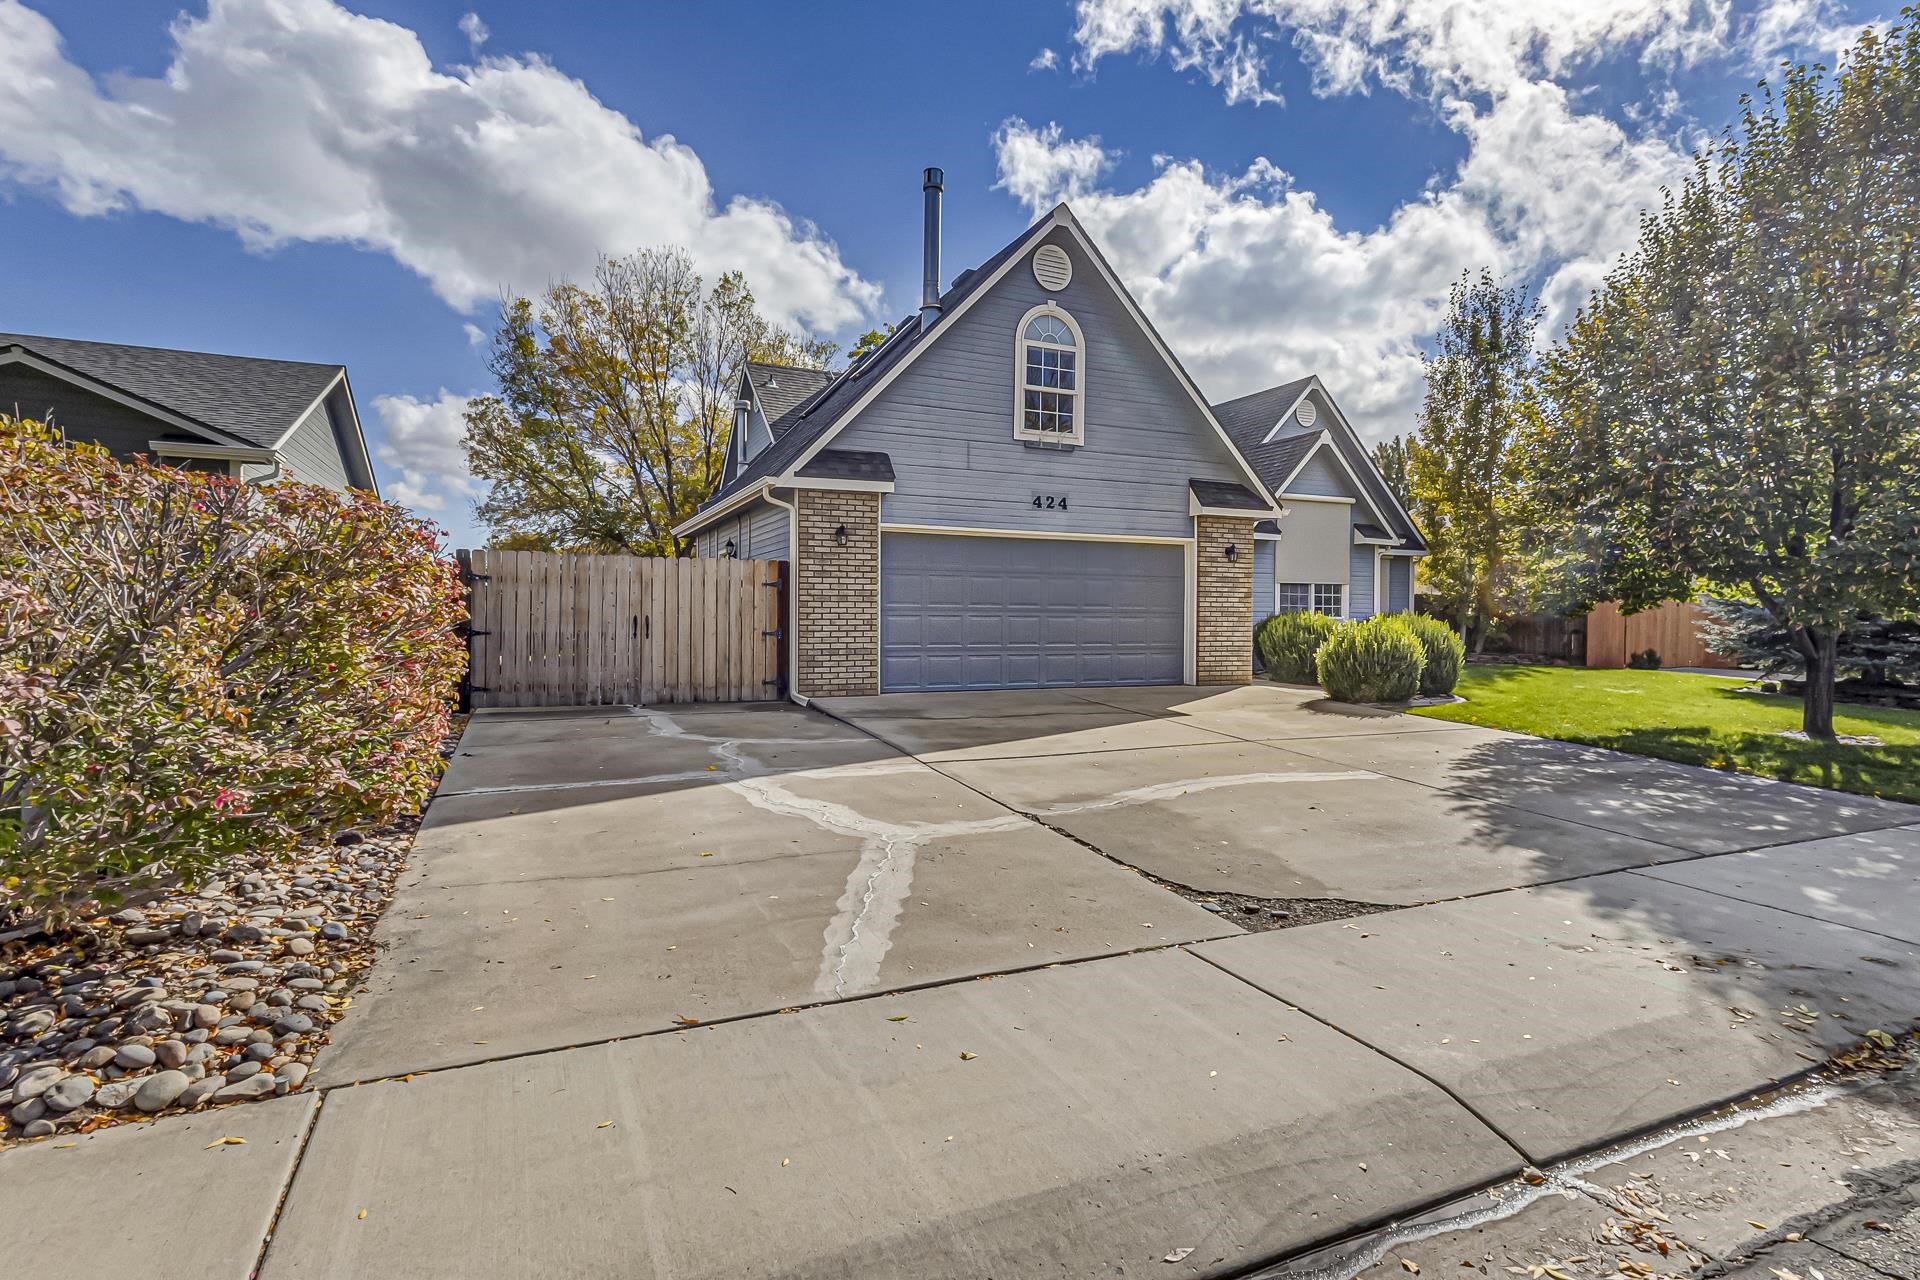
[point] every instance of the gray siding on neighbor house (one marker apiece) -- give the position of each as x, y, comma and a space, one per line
1323, 478
312, 452
947, 423
1399, 583
1360, 583
83, 414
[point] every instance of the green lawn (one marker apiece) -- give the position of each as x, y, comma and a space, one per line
1692, 719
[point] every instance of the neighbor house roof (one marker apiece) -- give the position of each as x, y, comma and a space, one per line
243, 397
782, 389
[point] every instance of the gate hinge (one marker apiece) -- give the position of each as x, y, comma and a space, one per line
472, 631
776, 633
480, 688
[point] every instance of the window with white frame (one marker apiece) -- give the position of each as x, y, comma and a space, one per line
1051, 378
1329, 598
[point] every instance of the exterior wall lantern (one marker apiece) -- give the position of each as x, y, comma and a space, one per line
733, 549
840, 535
1232, 552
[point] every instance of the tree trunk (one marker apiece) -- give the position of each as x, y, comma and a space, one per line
1816, 714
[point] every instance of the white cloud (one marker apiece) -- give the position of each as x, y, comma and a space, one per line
476, 336
297, 120
1040, 167
1254, 283
474, 30
1045, 60
421, 450
1437, 46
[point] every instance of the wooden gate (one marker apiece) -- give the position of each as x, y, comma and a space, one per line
561, 630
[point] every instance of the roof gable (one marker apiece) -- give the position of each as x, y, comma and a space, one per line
815, 423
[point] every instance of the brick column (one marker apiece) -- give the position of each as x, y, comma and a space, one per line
1223, 600
837, 594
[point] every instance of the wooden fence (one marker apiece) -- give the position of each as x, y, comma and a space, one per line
560, 630
1671, 630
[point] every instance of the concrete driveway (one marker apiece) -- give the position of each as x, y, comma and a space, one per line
880, 988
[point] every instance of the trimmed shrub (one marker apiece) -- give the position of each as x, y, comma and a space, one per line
1645, 660
1289, 642
192, 667
1377, 660
1445, 654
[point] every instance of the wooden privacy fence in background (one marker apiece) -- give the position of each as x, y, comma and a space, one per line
1670, 630
562, 630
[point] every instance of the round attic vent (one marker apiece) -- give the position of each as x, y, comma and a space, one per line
1052, 267
1305, 414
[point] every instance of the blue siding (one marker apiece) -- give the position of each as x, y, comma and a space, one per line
312, 452
947, 423
1399, 583
1360, 583
1323, 478
767, 532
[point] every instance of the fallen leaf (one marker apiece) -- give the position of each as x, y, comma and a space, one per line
1871, 1225
604, 1124
898, 1017
785, 1161
1178, 1255
967, 1057
685, 1021
228, 1141
1409, 1266
1757, 1226
360, 1215
62, 1146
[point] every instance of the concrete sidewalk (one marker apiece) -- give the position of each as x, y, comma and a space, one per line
751, 992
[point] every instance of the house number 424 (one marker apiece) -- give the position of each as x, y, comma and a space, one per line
1049, 502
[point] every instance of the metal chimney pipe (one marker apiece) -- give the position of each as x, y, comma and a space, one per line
932, 183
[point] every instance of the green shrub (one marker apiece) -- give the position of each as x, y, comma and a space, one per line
1288, 643
1444, 653
1377, 660
193, 667
1645, 660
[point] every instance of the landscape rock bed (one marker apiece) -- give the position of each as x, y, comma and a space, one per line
203, 997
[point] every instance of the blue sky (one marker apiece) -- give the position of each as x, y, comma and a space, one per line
1289, 185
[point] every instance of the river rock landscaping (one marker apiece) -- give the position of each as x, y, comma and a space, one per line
208, 996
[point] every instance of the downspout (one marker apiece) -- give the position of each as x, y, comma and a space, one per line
793, 562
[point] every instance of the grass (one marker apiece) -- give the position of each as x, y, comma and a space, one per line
1694, 719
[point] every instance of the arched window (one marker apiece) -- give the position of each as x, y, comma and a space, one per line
1050, 378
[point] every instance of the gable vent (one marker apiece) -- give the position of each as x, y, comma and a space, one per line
1305, 414
1052, 267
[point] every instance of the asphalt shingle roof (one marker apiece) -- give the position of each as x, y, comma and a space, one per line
251, 399
1225, 493
848, 464
1249, 418
783, 389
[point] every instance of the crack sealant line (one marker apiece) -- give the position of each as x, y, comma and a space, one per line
302, 1141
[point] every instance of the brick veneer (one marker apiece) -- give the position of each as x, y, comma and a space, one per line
1223, 604
837, 594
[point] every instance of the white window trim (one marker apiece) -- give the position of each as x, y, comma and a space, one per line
1078, 436
1345, 590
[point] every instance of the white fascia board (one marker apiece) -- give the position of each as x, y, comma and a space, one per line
120, 397
1197, 508
701, 519
1360, 541
1060, 217
226, 452
301, 416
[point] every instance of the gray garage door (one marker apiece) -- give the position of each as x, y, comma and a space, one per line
1023, 613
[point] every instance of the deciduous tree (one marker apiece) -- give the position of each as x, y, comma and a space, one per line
615, 402
1738, 408
1463, 462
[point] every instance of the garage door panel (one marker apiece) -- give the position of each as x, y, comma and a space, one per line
987, 613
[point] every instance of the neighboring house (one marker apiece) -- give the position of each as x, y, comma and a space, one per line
1346, 547
236, 415
1019, 488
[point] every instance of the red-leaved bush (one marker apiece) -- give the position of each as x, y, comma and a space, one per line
192, 666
